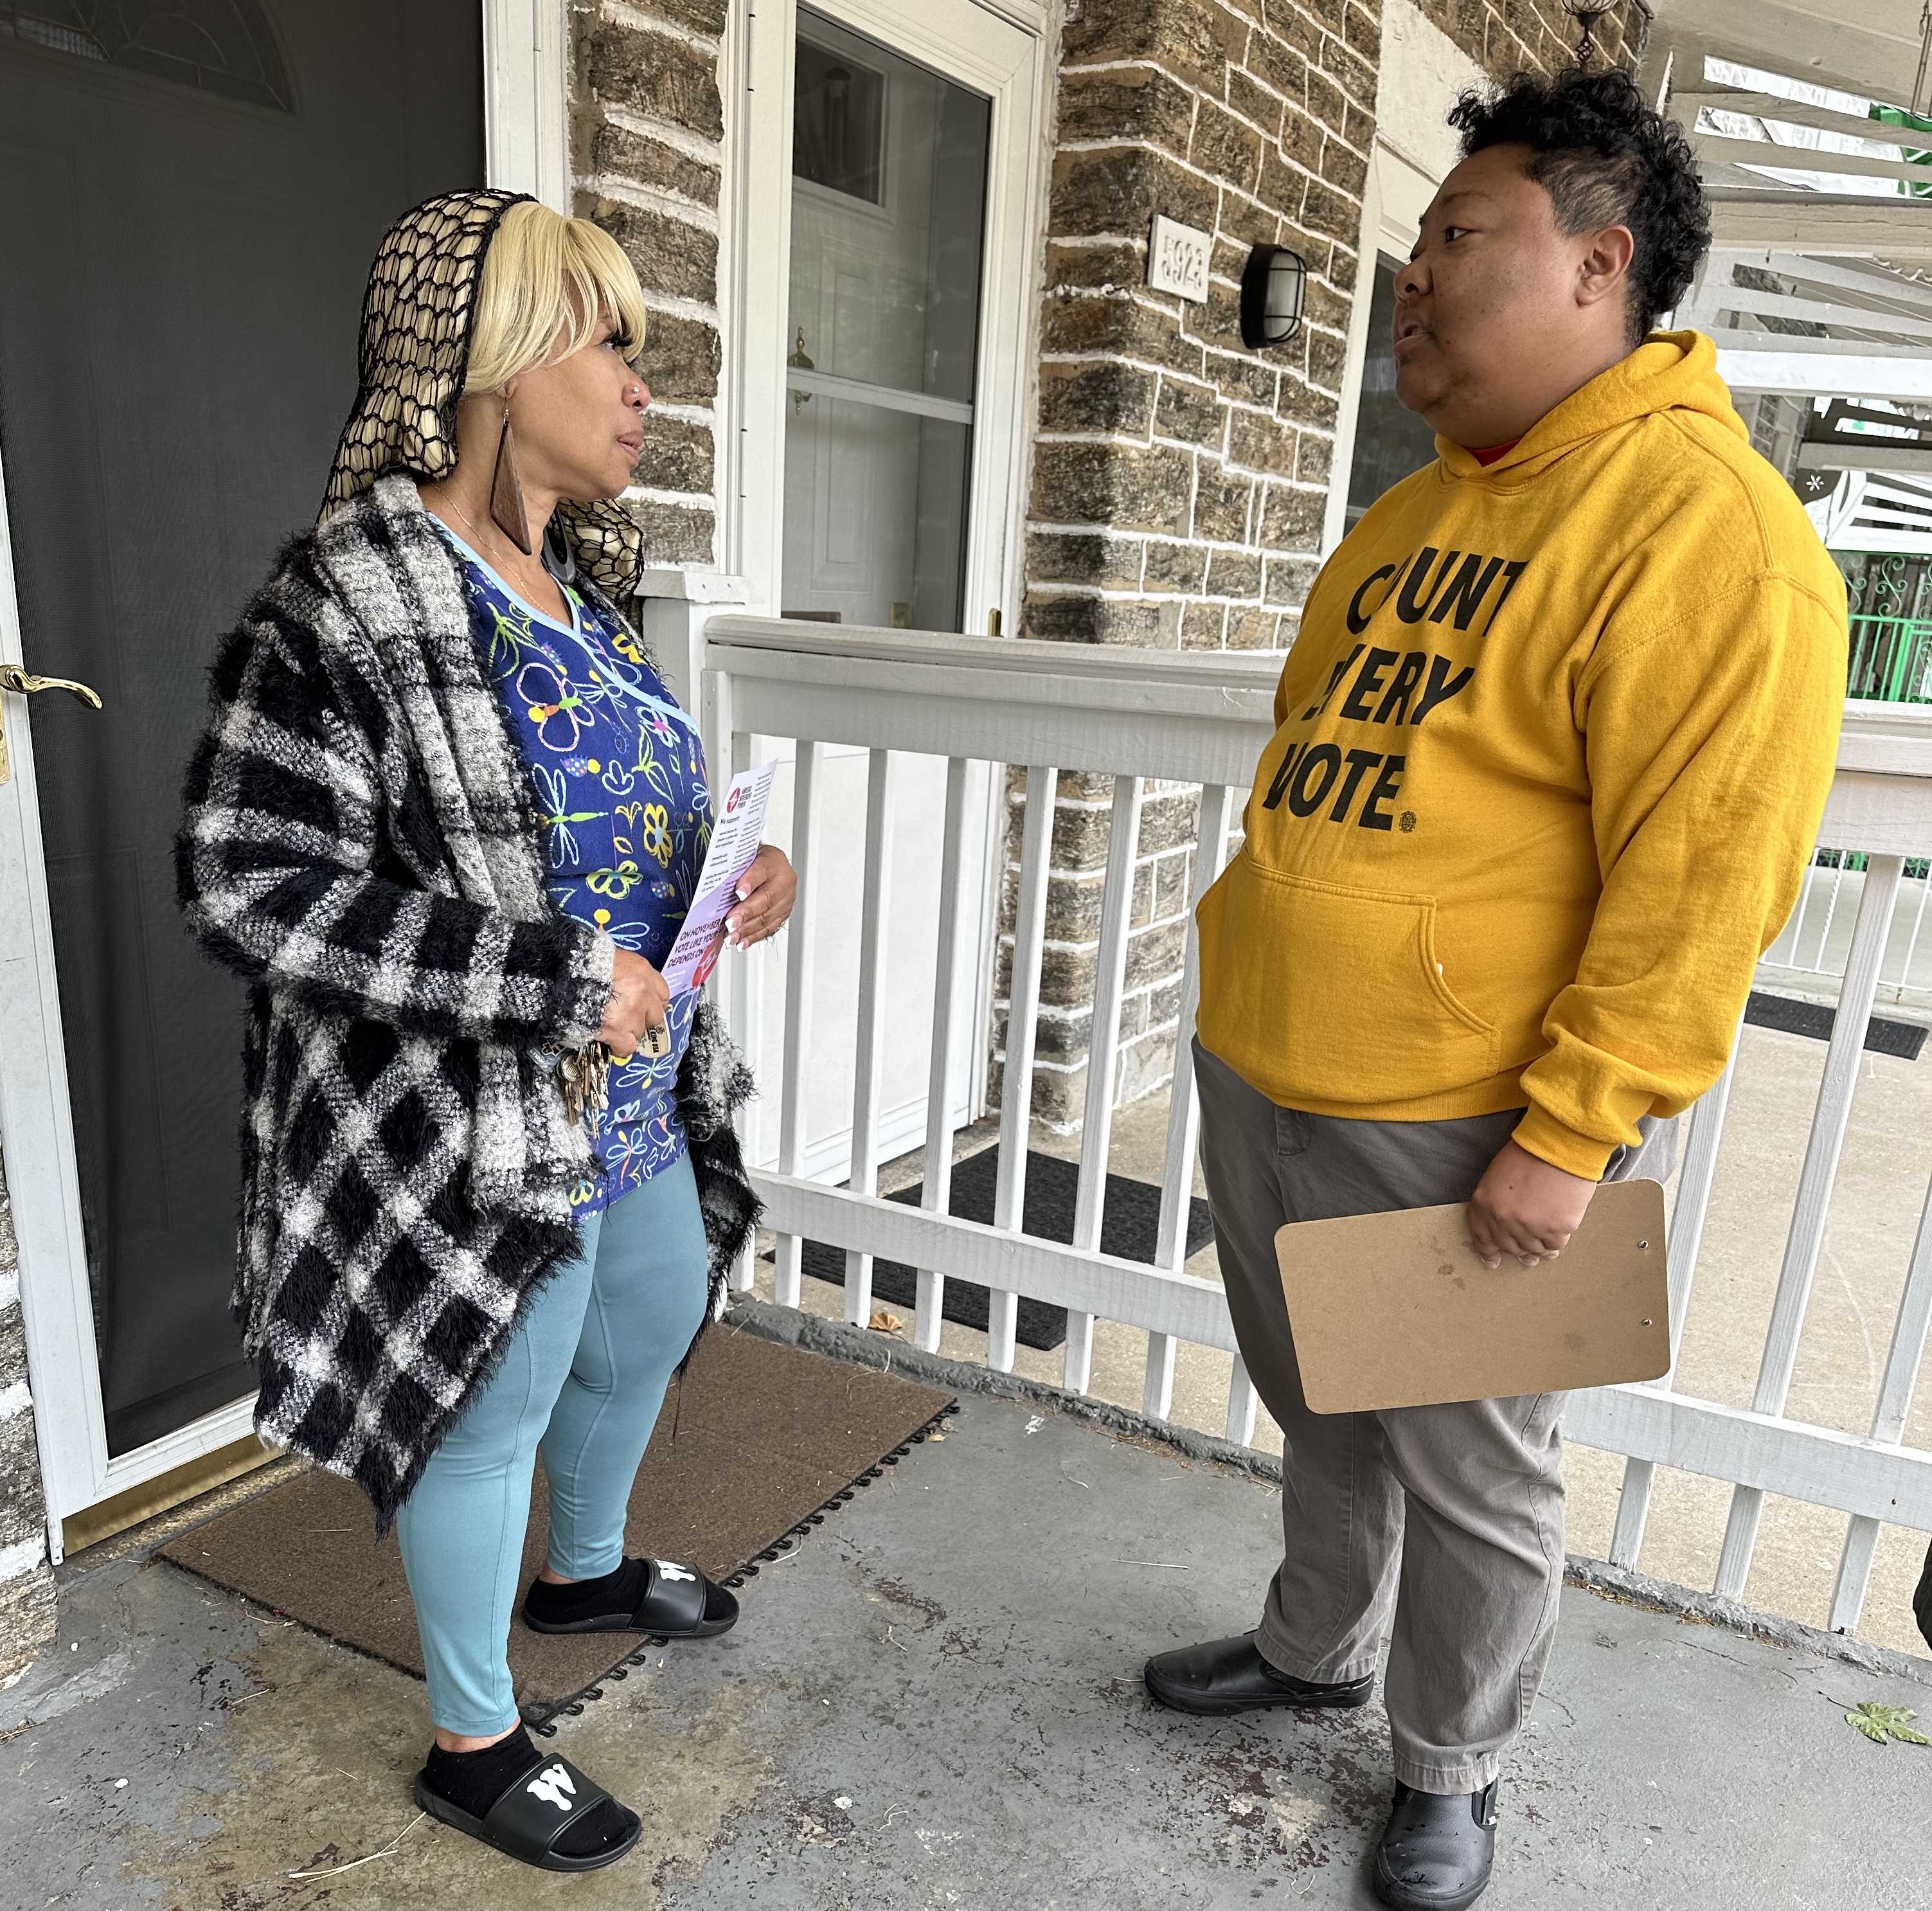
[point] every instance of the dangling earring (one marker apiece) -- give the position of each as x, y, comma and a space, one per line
506, 493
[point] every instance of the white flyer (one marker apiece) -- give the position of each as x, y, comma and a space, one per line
735, 838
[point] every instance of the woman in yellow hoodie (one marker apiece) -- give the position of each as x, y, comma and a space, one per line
1552, 746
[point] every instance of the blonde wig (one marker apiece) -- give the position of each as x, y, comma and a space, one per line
548, 284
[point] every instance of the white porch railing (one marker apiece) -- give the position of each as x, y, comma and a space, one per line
1810, 955
1881, 803
1813, 948
1135, 715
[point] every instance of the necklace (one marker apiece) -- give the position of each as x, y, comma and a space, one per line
470, 525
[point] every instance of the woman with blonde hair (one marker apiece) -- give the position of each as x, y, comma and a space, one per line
447, 819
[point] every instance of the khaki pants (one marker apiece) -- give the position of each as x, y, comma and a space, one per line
1448, 1519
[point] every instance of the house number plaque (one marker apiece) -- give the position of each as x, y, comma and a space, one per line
1177, 260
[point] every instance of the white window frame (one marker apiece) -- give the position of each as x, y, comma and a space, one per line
526, 147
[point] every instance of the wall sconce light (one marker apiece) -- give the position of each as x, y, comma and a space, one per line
1586, 13
1272, 285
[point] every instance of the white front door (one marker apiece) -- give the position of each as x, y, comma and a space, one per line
886, 217
186, 224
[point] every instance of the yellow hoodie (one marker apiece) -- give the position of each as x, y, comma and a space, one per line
1553, 744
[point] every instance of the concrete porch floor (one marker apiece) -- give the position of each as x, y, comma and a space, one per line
937, 1702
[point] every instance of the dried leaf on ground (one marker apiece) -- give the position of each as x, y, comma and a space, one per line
1881, 1722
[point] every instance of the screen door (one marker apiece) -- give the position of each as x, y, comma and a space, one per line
190, 198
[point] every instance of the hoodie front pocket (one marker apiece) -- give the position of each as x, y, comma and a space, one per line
1313, 990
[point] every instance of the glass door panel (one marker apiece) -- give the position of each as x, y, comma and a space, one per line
1389, 441
889, 199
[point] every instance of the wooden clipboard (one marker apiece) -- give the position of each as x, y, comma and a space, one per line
1396, 1310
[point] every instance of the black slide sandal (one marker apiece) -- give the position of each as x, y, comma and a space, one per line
677, 1598
535, 1809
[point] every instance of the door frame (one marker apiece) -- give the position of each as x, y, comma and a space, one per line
958, 39
1001, 49
1395, 195
526, 147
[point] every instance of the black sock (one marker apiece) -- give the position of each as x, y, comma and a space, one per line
474, 1781
616, 1592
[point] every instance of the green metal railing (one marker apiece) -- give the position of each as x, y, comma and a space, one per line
1891, 659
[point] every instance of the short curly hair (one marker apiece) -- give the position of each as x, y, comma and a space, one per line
1606, 157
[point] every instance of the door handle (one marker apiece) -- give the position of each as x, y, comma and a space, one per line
24, 683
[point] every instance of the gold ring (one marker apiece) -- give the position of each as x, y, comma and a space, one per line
657, 1041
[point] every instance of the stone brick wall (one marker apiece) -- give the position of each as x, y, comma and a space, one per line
26, 1580
1179, 479
647, 125
1505, 37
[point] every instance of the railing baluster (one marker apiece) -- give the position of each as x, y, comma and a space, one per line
1894, 1403
793, 1108
1911, 943
1795, 929
1831, 912
1686, 1235
1242, 1401
1157, 1388
1183, 1109
868, 1066
936, 1193
1022, 1012
1184, 1105
1096, 1126
1692, 1208
724, 741
741, 1018
1807, 1236
1077, 1370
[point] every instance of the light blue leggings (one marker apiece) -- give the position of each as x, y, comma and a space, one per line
583, 1380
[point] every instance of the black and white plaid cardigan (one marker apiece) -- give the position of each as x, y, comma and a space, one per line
360, 844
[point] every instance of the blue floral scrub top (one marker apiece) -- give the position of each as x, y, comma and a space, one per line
617, 770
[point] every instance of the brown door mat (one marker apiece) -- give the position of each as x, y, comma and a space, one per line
758, 1440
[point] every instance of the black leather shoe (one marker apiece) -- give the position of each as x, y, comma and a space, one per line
1436, 1852
1230, 1676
